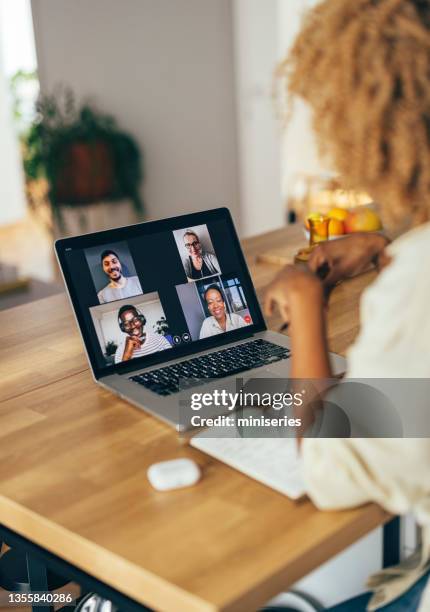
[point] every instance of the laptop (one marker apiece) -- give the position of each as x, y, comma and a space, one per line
165, 301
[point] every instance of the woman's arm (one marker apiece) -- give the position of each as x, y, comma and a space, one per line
211, 261
349, 256
187, 267
309, 353
299, 296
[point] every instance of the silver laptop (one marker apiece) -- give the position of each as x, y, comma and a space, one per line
168, 305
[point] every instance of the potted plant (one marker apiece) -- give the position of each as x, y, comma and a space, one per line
82, 153
110, 350
162, 327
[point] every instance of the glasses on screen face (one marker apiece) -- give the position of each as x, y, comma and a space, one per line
193, 244
127, 325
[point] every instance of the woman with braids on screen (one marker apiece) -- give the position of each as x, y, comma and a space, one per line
220, 320
363, 66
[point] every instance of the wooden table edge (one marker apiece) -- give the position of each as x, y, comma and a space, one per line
151, 590
141, 585
280, 582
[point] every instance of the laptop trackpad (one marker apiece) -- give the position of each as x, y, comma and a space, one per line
265, 380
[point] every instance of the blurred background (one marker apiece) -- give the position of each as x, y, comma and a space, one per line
112, 112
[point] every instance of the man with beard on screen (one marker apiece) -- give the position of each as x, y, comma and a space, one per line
138, 342
119, 286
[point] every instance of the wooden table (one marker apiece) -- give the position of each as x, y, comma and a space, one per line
73, 461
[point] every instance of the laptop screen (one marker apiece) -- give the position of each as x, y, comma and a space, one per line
155, 291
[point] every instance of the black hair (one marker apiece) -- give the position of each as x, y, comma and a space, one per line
126, 308
217, 288
222, 294
106, 253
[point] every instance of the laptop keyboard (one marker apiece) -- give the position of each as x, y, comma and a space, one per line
219, 364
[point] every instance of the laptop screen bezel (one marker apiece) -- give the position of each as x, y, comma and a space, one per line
63, 245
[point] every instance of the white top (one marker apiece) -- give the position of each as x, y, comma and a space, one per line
211, 327
153, 343
394, 342
110, 294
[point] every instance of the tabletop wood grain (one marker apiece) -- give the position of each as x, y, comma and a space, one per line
73, 461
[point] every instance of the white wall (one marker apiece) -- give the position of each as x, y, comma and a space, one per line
12, 198
164, 69
299, 152
256, 56
270, 156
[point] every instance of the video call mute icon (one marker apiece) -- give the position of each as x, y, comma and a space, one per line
185, 338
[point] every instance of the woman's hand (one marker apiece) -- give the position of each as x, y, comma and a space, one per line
299, 296
348, 256
292, 285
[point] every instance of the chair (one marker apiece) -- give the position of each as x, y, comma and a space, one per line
292, 601
16, 571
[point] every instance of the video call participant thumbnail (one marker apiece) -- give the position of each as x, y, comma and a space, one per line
220, 320
119, 286
199, 263
138, 341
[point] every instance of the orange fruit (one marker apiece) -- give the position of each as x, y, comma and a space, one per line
362, 219
338, 213
335, 227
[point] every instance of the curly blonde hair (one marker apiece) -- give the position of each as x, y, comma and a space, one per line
364, 68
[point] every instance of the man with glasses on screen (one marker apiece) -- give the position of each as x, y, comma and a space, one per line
199, 263
119, 286
138, 341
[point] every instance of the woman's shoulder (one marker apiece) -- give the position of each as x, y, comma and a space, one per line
186, 262
414, 243
393, 313
410, 256
209, 255
206, 328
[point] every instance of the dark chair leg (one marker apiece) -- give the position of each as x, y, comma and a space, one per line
391, 542
38, 580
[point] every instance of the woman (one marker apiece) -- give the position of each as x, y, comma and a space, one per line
364, 69
220, 320
199, 263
